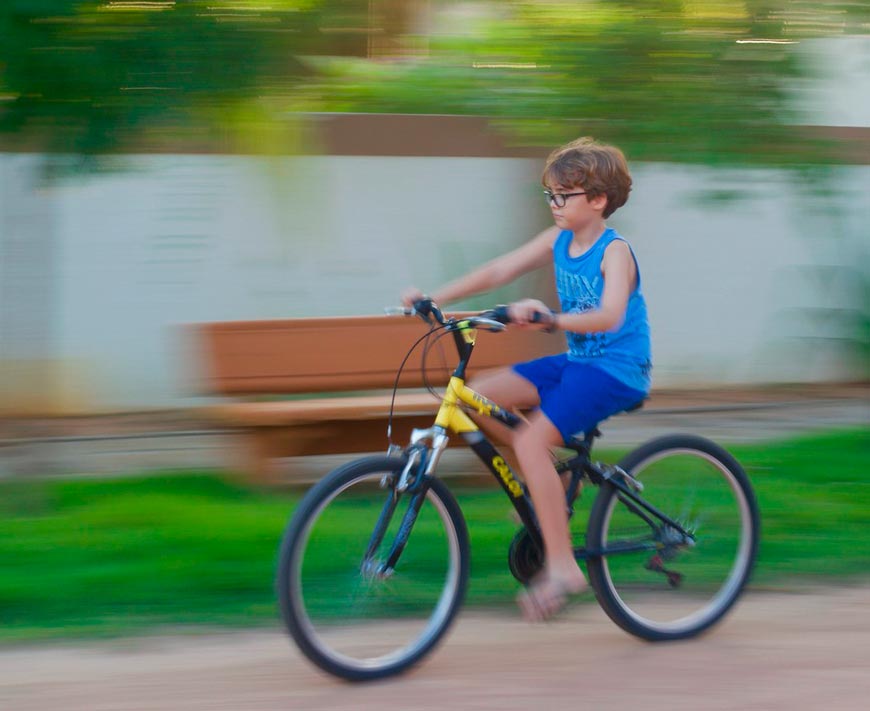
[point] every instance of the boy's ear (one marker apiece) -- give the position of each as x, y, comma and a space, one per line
599, 202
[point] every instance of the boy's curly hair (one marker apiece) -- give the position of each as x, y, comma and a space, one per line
595, 167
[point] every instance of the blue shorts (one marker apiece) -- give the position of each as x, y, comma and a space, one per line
575, 397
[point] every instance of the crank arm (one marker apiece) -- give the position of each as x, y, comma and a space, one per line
657, 565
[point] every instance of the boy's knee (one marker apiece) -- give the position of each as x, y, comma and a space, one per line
486, 383
538, 435
478, 384
527, 437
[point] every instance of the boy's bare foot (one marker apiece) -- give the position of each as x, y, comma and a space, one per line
548, 594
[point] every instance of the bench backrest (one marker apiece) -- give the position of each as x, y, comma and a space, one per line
311, 355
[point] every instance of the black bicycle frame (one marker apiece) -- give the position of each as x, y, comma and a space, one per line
519, 496
580, 466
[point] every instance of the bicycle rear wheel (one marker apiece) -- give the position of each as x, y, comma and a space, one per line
653, 580
347, 613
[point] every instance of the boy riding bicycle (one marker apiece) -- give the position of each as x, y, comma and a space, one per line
606, 368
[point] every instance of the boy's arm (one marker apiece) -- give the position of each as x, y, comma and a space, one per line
620, 276
502, 270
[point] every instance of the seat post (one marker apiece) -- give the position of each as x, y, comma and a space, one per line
589, 438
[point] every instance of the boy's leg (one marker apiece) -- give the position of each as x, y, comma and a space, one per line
532, 444
562, 575
511, 391
583, 396
508, 390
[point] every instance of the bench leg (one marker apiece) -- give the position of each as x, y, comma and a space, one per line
256, 457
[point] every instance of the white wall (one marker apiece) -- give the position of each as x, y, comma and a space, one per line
739, 266
837, 90
730, 260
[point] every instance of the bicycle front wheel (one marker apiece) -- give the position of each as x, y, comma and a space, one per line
369, 580
659, 581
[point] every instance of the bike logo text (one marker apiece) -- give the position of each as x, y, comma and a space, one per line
504, 472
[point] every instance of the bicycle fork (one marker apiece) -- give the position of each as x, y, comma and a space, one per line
413, 479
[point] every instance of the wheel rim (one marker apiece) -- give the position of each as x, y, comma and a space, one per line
347, 613
701, 493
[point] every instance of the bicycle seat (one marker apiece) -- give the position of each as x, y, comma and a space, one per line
583, 441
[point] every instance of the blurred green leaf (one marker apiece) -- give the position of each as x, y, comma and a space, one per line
687, 81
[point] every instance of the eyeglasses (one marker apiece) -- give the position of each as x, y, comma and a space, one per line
559, 199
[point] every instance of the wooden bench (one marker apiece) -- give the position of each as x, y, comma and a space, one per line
323, 385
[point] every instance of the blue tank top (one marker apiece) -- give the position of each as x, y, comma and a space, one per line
625, 353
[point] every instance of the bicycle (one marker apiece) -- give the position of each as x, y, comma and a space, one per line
374, 564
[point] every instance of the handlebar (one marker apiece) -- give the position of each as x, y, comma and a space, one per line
493, 319
501, 314
426, 309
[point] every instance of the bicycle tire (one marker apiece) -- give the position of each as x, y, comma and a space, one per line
684, 587
351, 636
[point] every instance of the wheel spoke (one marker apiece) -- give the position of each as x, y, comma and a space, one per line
697, 572
350, 615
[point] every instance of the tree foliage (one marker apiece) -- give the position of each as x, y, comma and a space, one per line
693, 80
93, 76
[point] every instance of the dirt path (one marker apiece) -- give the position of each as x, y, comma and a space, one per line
793, 651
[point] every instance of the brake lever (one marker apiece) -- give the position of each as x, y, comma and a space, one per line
489, 324
501, 314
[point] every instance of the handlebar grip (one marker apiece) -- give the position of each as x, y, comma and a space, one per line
422, 306
501, 314
398, 311
428, 310
548, 319
423, 309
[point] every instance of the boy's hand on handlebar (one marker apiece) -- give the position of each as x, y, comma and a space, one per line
531, 313
422, 305
411, 295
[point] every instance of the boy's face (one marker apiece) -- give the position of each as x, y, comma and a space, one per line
578, 210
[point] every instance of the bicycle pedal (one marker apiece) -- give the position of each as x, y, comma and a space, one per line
627, 478
657, 565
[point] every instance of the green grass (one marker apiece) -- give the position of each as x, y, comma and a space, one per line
97, 557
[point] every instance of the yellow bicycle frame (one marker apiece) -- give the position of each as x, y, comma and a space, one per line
450, 415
